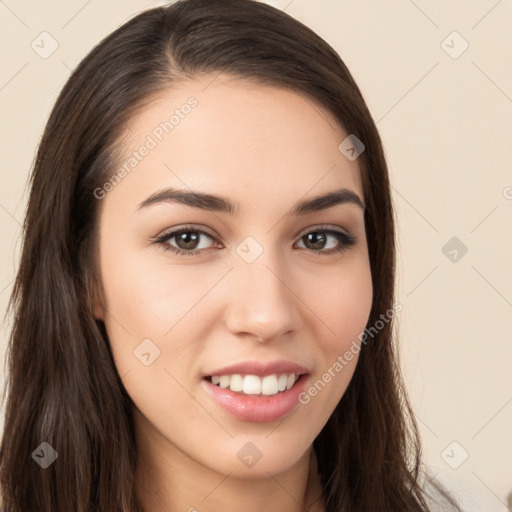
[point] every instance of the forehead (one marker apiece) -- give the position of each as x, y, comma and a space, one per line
237, 137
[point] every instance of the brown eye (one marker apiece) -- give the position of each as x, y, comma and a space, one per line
316, 240
186, 241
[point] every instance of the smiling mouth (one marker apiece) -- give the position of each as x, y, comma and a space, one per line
253, 385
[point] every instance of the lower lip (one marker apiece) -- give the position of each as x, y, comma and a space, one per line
256, 408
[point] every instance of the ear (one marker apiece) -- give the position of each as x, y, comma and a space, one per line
97, 300
98, 312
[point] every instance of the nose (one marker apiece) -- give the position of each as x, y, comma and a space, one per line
261, 301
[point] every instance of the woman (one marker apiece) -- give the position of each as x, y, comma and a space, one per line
205, 301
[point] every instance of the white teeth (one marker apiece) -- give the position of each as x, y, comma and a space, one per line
281, 382
224, 381
236, 383
269, 384
254, 385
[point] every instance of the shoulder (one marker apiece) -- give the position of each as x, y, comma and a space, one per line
470, 496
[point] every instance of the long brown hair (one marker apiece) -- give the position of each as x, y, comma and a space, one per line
63, 387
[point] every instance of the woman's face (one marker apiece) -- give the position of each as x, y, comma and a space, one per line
250, 290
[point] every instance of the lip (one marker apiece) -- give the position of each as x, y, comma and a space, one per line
260, 369
256, 409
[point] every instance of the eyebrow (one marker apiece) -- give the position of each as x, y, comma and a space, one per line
215, 203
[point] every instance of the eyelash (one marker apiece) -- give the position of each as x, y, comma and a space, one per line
347, 240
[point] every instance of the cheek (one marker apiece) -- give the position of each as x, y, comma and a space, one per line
148, 299
342, 306
342, 303
154, 325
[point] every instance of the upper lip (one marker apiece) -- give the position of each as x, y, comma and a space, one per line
261, 369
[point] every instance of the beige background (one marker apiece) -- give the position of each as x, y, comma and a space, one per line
446, 124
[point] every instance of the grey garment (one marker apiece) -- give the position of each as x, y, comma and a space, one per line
471, 495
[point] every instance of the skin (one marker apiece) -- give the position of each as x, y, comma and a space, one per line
266, 148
